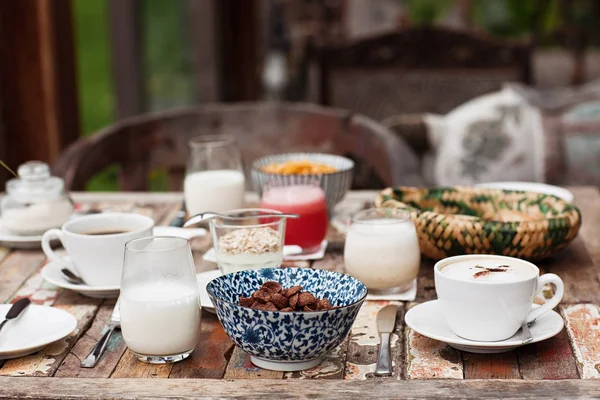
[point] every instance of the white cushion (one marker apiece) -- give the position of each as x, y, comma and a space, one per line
494, 137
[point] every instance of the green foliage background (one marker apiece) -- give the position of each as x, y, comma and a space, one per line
167, 63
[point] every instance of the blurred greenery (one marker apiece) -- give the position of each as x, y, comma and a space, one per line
427, 12
96, 95
168, 68
95, 81
515, 18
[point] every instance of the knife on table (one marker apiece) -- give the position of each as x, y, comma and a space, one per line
386, 321
115, 323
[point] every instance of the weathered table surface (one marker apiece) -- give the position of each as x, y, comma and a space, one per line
558, 367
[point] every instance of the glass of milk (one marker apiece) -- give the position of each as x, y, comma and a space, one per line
214, 178
382, 250
159, 302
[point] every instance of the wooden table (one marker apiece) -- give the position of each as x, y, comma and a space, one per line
559, 367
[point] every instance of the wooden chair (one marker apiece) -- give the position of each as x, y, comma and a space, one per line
158, 141
420, 69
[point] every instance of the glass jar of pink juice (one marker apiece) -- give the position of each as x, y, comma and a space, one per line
307, 200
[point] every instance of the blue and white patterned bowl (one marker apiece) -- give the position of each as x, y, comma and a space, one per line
287, 341
335, 184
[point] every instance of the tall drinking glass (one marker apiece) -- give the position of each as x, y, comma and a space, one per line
382, 250
160, 306
215, 177
303, 196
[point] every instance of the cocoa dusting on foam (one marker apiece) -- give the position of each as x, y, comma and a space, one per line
485, 271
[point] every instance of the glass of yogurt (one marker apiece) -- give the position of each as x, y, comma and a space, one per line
159, 302
244, 239
382, 250
214, 178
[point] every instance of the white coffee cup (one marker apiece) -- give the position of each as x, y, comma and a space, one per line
493, 308
97, 257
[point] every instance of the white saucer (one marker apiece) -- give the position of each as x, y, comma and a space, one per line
287, 252
531, 187
203, 279
37, 327
9, 239
290, 253
51, 273
294, 255
427, 319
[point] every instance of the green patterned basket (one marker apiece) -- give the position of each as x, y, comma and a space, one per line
463, 220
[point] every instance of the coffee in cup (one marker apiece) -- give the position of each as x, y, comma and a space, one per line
488, 298
96, 244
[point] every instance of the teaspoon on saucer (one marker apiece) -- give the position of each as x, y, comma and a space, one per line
72, 277
526, 332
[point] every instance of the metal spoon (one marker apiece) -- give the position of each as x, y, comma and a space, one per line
16, 310
527, 332
72, 277
209, 214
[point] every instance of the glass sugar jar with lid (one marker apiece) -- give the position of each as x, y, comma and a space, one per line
35, 201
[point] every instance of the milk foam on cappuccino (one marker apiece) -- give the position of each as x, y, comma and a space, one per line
488, 270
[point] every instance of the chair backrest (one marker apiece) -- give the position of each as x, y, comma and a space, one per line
146, 143
420, 69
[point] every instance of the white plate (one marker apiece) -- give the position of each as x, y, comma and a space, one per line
408, 295
299, 256
37, 327
52, 274
428, 320
11, 240
287, 251
203, 279
530, 187
290, 253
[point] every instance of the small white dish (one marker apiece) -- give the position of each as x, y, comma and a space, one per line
52, 274
26, 242
299, 256
428, 320
203, 278
288, 251
37, 327
530, 187
408, 295
9, 239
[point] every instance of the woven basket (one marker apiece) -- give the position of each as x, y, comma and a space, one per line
465, 220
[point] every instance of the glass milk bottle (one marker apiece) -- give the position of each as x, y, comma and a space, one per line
382, 250
215, 178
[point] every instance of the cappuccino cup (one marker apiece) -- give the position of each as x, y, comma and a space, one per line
487, 298
96, 244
